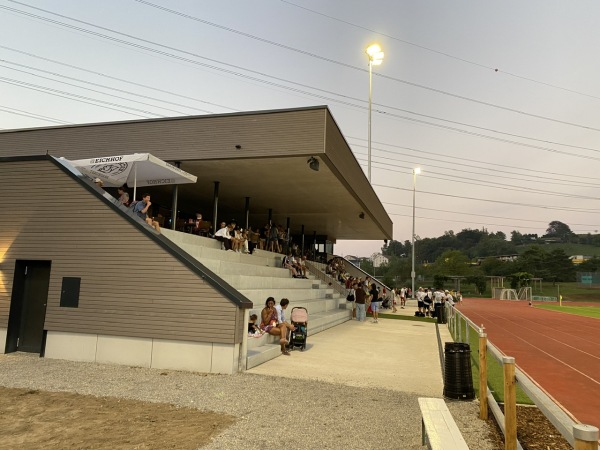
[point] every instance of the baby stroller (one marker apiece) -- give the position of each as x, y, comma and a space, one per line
299, 319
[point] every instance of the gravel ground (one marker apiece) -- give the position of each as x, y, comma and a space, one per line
305, 414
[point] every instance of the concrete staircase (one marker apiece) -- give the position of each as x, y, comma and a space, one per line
259, 276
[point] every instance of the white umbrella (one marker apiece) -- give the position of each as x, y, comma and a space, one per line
139, 169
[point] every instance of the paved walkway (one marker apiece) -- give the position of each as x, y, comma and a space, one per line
400, 355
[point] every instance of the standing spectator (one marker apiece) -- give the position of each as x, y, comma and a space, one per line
395, 299
374, 302
351, 297
403, 297
420, 298
360, 300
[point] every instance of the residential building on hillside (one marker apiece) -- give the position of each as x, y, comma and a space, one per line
379, 260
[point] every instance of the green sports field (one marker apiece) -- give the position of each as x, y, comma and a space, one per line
587, 311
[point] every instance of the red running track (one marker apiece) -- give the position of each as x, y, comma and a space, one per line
560, 351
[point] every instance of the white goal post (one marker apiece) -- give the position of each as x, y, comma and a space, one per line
511, 294
504, 294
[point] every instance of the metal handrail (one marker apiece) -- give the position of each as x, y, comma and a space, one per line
322, 276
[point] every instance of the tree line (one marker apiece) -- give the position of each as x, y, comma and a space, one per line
473, 254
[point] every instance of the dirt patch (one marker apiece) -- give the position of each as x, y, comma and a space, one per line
61, 420
534, 431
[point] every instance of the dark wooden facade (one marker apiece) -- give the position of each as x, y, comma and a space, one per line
132, 284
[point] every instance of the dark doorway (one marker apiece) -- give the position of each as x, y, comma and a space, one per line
28, 307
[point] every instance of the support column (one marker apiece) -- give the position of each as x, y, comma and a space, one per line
302, 241
271, 216
315, 245
215, 207
247, 213
174, 200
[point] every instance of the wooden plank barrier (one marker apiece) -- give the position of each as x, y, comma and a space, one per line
510, 404
483, 403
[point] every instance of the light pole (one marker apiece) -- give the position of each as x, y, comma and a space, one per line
416, 171
375, 59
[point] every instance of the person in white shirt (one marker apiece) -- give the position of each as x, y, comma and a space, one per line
420, 297
223, 236
403, 297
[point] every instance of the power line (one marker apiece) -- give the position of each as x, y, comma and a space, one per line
69, 96
138, 46
20, 112
93, 90
474, 160
470, 172
439, 91
448, 55
470, 223
527, 205
333, 61
484, 215
503, 186
187, 97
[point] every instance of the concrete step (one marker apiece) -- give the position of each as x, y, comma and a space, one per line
255, 282
223, 268
267, 347
183, 239
259, 296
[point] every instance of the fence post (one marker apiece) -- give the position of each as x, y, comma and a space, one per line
467, 332
586, 437
510, 404
483, 401
460, 331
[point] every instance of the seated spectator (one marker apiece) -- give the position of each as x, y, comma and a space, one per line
270, 324
283, 304
244, 240
253, 328
237, 241
123, 196
287, 263
303, 268
223, 236
296, 265
141, 209
201, 227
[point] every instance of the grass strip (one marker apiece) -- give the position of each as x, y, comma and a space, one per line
495, 371
586, 311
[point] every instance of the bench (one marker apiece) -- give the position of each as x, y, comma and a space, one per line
439, 430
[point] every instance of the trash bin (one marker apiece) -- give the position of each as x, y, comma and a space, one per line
438, 308
458, 381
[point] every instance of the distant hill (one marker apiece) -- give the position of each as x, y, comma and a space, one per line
569, 249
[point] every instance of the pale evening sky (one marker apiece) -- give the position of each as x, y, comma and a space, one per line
506, 149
